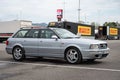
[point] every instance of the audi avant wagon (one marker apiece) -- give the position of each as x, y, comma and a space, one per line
54, 42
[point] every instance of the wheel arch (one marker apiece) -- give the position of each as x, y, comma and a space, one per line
69, 47
18, 46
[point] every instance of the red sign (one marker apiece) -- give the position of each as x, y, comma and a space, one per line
6, 34
59, 13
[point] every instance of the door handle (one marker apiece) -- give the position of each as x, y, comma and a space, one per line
41, 41
24, 40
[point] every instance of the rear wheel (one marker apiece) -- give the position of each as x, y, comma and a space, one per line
73, 55
18, 54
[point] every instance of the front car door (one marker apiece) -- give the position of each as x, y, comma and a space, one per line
49, 46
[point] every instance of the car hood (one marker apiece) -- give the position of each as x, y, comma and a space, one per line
85, 41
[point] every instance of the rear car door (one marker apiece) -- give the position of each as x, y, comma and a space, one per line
30, 42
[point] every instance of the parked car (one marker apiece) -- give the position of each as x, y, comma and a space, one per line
54, 42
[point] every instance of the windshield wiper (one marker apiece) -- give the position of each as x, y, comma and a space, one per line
69, 37
77, 37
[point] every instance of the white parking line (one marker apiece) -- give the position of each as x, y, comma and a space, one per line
61, 66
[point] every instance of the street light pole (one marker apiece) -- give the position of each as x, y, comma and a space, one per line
64, 10
79, 11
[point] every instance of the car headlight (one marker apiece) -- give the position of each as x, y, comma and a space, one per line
94, 46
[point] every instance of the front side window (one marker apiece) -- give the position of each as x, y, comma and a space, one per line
45, 33
63, 33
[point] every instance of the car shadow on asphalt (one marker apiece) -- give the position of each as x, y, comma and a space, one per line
55, 61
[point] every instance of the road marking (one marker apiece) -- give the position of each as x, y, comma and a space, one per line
61, 66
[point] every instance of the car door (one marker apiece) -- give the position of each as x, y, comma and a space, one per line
30, 42
49, 46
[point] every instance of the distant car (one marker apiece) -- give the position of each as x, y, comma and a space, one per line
54, 42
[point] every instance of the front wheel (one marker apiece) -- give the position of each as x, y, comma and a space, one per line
73, 56
18, 54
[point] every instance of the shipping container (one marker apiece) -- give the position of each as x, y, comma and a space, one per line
84, 30
107, 32
7, 28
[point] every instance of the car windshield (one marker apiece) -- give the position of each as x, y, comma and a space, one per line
63, 33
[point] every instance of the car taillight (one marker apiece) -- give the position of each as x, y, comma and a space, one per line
7, 42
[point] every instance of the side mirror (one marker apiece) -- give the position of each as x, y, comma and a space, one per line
54, 37
79, 34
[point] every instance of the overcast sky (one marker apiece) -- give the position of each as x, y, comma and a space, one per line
45, 10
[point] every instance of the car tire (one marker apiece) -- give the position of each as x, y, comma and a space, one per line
73, 55
40, 57
18, 54
90, 60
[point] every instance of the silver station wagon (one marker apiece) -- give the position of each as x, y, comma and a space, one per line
54, 42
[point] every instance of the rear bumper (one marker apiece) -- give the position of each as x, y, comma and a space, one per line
9, 50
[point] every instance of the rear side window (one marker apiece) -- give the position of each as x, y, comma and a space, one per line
20, 34
33, 33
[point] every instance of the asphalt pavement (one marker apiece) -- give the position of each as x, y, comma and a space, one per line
57, 69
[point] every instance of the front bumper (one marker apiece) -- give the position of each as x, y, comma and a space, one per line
95, 54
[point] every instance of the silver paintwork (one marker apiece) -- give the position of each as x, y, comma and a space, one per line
55, 47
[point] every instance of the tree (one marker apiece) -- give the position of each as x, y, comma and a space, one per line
111, 24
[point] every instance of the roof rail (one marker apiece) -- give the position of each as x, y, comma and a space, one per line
33, 27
